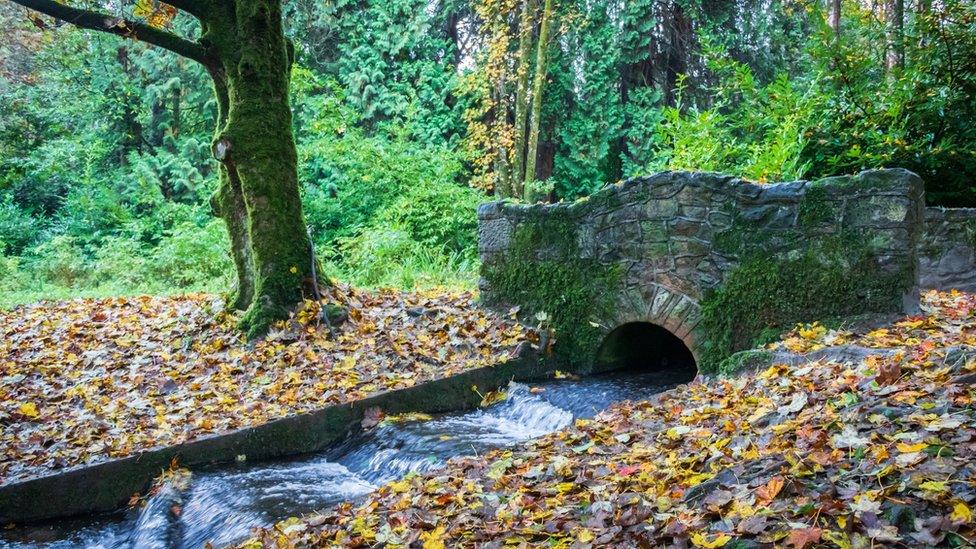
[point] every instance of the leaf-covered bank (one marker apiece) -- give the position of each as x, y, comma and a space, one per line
86, 380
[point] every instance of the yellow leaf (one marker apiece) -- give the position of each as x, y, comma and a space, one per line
585, 536
933, 486
564, 487
701, 540
29, 409
911, 448
839, 539
400, 486
961, 513
435, 539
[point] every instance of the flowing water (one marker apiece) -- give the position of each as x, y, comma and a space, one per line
222, 504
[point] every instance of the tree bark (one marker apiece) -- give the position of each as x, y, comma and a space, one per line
680, 35
259, 196
522, 95
537, 87
895, 19
834, 17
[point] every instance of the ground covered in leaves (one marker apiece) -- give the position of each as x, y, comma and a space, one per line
86, 380
875, 452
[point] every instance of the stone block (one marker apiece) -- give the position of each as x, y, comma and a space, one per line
877, 211
494, 235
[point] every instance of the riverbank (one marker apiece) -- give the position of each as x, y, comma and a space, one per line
847, 452
86, 381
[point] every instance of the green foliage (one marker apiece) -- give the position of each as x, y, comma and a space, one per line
17, 227
588, 131
439, 216
391, 256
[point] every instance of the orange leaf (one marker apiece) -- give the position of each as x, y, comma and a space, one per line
802, 538
769, 491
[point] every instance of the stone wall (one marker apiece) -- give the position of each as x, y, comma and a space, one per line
947, 253
718, 261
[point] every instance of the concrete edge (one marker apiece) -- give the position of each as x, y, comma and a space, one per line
108, 485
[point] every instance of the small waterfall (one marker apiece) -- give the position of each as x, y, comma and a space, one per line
223, 506
157, 526
391, 451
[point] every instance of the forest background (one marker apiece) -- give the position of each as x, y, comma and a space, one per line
409, 113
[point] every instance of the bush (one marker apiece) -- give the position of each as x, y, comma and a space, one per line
440, 215
120, 262
194, 257
17, 228
12, 278
389, 256
60, 261
350, 178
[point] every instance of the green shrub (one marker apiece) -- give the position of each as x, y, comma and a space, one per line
389, 256
12, 277
17, 227
60, 261
120, 262
440, 215
194, 257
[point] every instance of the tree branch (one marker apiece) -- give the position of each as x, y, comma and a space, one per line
104, 22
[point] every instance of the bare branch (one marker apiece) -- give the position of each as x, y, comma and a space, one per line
93, 20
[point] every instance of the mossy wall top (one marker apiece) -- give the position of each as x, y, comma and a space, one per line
715, 259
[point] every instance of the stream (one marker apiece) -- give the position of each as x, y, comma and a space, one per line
222, 504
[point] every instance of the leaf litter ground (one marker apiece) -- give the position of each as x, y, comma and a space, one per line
83, 381
873, 452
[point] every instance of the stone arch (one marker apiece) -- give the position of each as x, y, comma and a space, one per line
646, 348
662, 306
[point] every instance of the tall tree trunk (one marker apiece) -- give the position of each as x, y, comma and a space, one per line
537, 87
680, 34
522, 95
895, 19
834, 17
259, 196
503, 178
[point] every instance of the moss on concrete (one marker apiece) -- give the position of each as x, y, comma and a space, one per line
543, 273
829, 277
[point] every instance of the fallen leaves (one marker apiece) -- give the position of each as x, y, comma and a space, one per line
818, 454
86, 380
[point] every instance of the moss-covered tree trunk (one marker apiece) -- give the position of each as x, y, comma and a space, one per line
541, 68
246, 53
258, 197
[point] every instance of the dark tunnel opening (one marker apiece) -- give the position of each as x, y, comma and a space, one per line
643, 347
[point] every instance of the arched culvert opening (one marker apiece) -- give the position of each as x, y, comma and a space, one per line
643, 347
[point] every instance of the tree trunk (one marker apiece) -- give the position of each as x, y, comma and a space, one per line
537, 86
522, 95
259, 196
680, 35
895, 16
503, 179
834, 20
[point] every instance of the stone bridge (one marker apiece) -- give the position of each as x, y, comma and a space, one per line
691, 267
